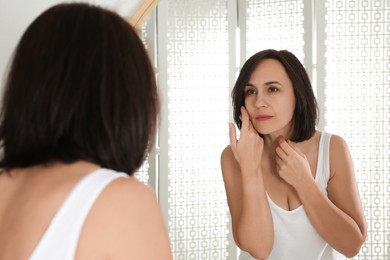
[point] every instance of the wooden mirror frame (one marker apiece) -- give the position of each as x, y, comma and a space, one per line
142, 12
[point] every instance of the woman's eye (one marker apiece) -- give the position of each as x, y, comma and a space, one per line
273, 89
249, 92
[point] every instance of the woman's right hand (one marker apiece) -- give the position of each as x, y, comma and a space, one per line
248, 149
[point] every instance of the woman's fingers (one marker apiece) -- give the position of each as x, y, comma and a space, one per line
286, 147
244, 119
278, 162
248, 148
295, 148
233, 139
232, 136
281, 152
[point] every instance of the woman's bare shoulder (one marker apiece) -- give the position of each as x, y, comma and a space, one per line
341, 163
227, 153
337, 142
227, 158
339, 150
127, 222
125, 190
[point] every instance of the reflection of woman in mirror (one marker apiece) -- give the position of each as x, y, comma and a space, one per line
291, 189
79, 116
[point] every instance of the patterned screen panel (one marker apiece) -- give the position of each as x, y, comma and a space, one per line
143, 173
198, 112
275, 25
358, 105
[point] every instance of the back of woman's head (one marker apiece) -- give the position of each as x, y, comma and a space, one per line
80, 87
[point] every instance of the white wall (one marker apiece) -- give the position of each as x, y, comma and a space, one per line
16, 15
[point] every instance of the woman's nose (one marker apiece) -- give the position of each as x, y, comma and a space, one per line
261, 101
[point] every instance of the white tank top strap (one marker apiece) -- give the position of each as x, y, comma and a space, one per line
323, 163
61, 237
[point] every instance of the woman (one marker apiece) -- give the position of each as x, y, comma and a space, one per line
78, 118
291, 189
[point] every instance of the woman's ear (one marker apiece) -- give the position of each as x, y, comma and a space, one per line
145, 7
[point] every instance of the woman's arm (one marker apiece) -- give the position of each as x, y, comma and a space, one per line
248, 204
338, 218
251, 217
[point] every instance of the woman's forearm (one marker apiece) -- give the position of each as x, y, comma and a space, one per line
336, 227
254, 228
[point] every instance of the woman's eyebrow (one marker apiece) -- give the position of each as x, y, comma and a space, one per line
248, 84
273, 82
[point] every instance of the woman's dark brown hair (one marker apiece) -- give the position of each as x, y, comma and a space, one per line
306, 109
80, 87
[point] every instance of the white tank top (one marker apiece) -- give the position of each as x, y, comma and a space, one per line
294, 236
60, 240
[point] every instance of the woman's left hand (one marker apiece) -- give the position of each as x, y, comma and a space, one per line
292, 165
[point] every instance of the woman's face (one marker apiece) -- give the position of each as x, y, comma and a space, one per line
270, 99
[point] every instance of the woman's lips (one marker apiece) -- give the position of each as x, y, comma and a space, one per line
263, 117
